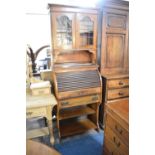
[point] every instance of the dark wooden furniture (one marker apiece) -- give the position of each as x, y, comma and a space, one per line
37, 148
114, 50
116, 139
77, 81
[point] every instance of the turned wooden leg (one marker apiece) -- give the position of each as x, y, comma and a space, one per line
50, 127
50, 124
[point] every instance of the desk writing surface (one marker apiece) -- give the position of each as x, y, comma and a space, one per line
120, 108
41, 100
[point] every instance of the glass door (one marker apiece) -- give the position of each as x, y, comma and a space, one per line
63, 30
86, 31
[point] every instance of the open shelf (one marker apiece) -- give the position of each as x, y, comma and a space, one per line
76, 112
37, 132
78, 126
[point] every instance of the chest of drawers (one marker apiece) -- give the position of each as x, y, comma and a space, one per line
116, 141
115, 87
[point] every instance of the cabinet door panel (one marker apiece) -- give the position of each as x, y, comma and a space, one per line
114, 50
116, 21
86, 31
113, 60
63, 30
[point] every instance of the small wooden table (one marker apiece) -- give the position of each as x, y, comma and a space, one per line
37, 148
37, 106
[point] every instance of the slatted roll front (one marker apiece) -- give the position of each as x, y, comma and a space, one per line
70, 81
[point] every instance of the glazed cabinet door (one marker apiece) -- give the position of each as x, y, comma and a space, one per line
63, 30
114, 50
86, 27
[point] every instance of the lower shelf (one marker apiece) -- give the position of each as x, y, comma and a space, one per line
37, 133
76, 127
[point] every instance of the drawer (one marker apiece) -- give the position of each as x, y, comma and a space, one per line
122, 133
109, 148
121, 147
118, 83
41, 91
117, 93
81, 101
35, 112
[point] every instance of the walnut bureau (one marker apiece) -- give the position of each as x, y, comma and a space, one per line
115, 86
114, 57
76, 79
37, 106
116, 139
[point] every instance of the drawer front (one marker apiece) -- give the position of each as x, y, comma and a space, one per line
118, 129
81, 101
77, 93
117, 93
109, 148
118, 83
35, 112
121, 147
41, 91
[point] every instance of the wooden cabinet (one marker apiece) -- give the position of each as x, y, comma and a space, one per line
114, 50
77, 81
73, 27
115, 86
114, 60
116, 141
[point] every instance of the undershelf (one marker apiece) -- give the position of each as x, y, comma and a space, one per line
37, 132
76, 127
76, 112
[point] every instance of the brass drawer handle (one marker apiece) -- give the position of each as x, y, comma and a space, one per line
117, 143
94, 98
119, 130
29, 113
121, 83
65, 103
121, 93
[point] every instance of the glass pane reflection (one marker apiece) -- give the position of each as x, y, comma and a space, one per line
86, 31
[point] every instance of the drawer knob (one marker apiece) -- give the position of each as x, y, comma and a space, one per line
119, 130
94, 98
121, 93
117, 143
64, 103
121, 83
